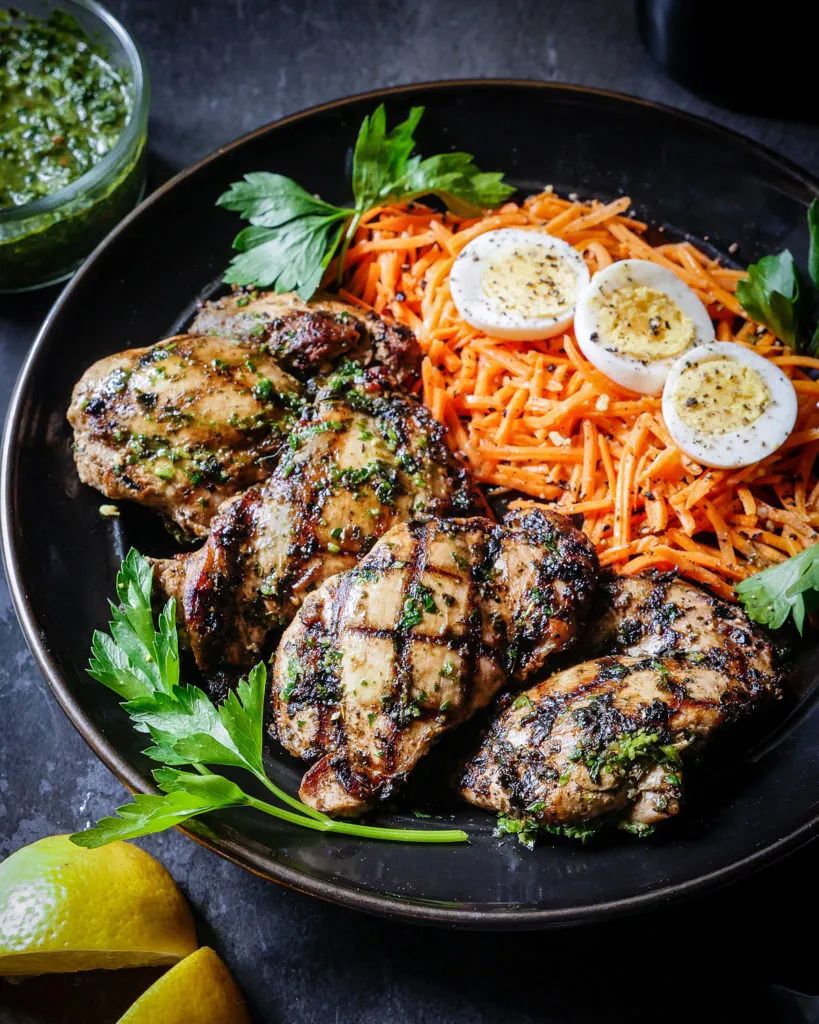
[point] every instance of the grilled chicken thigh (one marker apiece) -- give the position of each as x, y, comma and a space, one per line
308, 339
184, 424
660, 614
609, 736
384, 659
181, 425
357, 462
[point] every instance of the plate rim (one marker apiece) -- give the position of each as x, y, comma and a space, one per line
347, 894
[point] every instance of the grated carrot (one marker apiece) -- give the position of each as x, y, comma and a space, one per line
538, 418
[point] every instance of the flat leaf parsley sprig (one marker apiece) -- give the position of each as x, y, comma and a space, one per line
790, 588
786, 301
139, 660
293, 236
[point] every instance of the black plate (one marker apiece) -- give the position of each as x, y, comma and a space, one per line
62, 556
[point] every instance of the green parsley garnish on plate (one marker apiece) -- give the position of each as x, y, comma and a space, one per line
790, 588
138, 658
779, 296
293, 236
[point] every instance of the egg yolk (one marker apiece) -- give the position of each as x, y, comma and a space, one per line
530, 282
644, 323
720, 395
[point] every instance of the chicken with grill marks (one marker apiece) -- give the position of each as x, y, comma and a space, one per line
186, 423
181, 425
309, 339
386, 658
608, 738
358, 461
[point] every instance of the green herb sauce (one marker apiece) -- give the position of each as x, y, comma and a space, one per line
62, 108
62, 105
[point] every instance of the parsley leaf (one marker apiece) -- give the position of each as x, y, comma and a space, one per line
813, 250
456, 181
789, 588
382, 158
293, 235
139, 660
150, 813
776, 295
385, 171
188, 728
771, 296
134, 659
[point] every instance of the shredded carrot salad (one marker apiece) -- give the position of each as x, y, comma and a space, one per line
538, 418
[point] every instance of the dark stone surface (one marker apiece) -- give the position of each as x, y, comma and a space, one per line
219, 69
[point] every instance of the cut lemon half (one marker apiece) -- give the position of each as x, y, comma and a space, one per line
199, 990
65, 908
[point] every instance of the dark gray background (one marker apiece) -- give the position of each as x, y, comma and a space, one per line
218, 70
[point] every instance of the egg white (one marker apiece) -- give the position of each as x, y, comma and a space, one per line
747, 444
484, 312
644, 376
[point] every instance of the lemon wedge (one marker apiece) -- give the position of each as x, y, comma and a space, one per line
198, 990
65, 908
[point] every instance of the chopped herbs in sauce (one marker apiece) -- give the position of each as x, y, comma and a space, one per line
642, 746
420, 600
528, 829
292, 674
62, 105
263, 389
636, 828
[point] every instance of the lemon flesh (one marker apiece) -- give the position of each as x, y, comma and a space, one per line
198, 990
64, 908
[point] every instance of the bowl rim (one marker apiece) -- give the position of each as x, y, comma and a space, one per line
347, 894
128, 137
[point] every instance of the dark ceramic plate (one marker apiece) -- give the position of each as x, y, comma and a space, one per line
686, 174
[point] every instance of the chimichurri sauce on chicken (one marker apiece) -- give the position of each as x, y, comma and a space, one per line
284, 434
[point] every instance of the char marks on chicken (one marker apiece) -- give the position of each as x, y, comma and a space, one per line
386, 658
193, 420
609, 737
181, 425
358, 461
309, 339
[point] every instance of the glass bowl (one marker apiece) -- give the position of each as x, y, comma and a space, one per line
45, 240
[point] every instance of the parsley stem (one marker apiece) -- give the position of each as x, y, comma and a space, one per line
291, 801
349, 235
280, 794
400, 835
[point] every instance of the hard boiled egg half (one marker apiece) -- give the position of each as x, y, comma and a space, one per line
726, 406
518, 284
636, 318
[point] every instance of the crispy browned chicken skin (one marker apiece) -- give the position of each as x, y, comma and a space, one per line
359, 461
181, 425
383, 660
609, 737
309, 338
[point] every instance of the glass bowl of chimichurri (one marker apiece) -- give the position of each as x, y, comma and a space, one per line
73, 125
